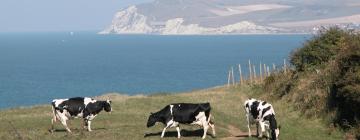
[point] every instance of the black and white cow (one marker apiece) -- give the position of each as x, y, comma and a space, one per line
183, 113
263, 114
78, 107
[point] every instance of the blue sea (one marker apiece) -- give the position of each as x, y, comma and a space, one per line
38, 67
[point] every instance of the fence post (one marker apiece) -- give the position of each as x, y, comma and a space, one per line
232, 76
241, 78
254, 72
228, 79
274, 67
260, 72
285, 66
250, 73
265, 73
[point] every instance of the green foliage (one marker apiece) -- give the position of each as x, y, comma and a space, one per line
347, 82
349, 69
326, 80
279, 84
319, 50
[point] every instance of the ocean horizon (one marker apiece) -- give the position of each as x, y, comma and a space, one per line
38, 67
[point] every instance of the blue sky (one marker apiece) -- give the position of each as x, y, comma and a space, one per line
59, 15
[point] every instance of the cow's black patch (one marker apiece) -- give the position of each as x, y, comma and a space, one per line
273, 125
95, 108
253, 109
265, 110
73, 105
263, 103
184, 113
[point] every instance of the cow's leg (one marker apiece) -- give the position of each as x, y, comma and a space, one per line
178, 131
85, 124
206, 127
262, 126
248, 122
257, 129
170, 123
63, 122
89, 125
53, 120
163, 132
212, 125
62, 117
268, 132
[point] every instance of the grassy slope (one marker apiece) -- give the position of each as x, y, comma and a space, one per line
130, 115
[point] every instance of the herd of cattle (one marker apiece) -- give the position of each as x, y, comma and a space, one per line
258, 112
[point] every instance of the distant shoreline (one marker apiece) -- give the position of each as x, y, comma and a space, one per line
206, 34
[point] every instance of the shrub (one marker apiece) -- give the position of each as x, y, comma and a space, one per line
326, 80
318, 50
347, 82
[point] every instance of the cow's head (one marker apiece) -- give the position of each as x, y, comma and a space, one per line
153, 118
107, 106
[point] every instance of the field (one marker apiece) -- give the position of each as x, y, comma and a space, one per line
128, 120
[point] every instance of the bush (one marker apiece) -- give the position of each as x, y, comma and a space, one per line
326, 80
318, 50
347, 82
279, 84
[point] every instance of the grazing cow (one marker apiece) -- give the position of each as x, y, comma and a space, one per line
263, 114
78, 107
183, 113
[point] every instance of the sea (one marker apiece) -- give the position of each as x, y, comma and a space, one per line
38, 67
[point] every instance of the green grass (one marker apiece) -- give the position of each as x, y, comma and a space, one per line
129, 117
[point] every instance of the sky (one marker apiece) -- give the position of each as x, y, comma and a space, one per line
59, 15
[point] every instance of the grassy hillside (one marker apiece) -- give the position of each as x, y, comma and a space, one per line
130, 115
324, 80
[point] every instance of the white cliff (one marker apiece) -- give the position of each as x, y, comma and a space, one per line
129, 21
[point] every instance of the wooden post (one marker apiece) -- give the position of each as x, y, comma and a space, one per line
268, 70
232, 76
285, 66
261, 77
274, 67
250, 74
265, 73
241, 78
254, 72
228, 80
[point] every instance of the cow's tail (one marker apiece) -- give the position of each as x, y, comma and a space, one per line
53, 111
210, 119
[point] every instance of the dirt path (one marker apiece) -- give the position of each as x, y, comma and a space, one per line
236, 133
